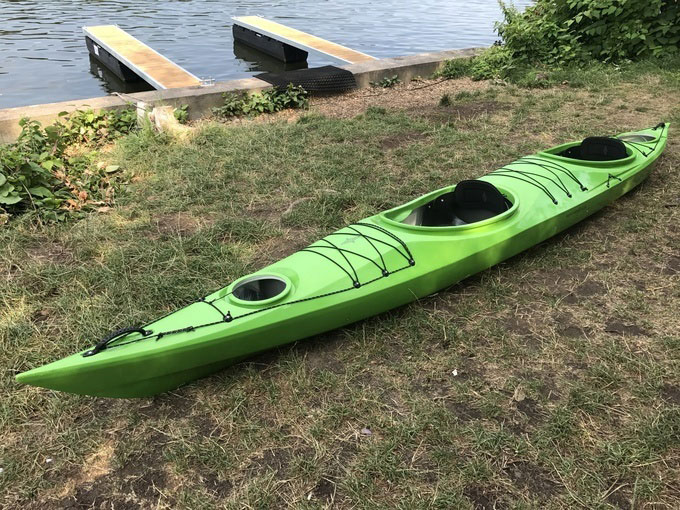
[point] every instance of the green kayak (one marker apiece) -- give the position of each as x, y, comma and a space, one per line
365, 268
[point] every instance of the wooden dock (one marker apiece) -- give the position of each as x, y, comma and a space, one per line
301, 40
142, 60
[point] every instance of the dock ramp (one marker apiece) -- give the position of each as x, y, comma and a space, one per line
272, 38
128, 57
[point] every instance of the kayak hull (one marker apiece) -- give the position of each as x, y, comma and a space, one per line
359, 271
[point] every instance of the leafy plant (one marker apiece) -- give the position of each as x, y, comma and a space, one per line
50, 171
267, 101
455, 68
445, 100
495, 62
559, 31
554, 41
386, 82
182, 113
293, 97
90, 127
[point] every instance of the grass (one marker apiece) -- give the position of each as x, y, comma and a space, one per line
594, 75
549, 381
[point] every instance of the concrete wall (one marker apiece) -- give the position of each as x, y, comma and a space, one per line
199, 99
202, 99
406, 68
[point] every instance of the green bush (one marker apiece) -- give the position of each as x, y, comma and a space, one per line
455, 68
267, 101
181, 113
556, 41
44, 172
90, 127
559, 31
495, 62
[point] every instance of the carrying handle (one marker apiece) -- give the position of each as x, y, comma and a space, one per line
103, 343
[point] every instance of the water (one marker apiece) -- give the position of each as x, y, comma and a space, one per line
43, 57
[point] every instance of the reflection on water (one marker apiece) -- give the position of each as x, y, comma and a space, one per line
259, 62
112, 83
43, 57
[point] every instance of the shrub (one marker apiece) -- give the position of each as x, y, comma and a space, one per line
181, 113
561, 31
495, 62
43, 172
455, 68
555, 41
267, 101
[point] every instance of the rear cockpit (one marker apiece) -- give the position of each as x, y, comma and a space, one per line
596, 148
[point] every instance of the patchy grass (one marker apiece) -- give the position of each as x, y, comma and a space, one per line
566, 390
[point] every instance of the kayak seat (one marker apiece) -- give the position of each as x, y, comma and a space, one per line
439, 212
597, 148
469, 202
478, 200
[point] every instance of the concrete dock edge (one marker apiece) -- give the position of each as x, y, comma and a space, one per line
201, 100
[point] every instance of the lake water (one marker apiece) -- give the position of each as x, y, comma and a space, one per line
43, 57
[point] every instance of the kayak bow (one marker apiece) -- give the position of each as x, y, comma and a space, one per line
365, 268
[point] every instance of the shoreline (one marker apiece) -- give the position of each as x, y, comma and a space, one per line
201, 100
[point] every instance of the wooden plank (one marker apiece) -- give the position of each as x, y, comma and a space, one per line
153, 67
302, 40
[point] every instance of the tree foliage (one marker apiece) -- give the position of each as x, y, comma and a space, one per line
563, 31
